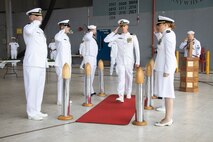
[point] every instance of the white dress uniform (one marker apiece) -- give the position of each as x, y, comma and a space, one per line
13, 46
196, 50
53, 51
165, 62
113, 55
63, 56
82, 53
158, 36
127, 44
91, 52
34, 66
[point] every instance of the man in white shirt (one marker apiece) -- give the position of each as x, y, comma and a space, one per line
127, 45
13, 46
34, 64
14, 49
196, 50
63, 56
52, 48
91, 52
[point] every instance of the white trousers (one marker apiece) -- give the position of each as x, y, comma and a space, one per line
125, 77
34, 82
92, 61
93, 68
59, 84
14, 54
164, 86
53, 55
112, 64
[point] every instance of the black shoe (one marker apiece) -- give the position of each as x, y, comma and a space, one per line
93, 94
160, 98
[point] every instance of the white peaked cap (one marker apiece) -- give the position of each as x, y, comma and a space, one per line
91, 27
190, 32
63, 22
163, 19
35, 11
123, 22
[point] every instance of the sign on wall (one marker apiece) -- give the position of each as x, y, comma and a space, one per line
187, 2
115, 7
122, 7
182, 4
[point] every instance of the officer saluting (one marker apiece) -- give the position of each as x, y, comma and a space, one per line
91, 52
34, 64
196, 50
127, 45
82, 53
165, 65
63, 55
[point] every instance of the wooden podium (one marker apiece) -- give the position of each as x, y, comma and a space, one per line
189, 74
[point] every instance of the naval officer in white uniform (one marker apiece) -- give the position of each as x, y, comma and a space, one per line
165, 65
196, 50
63, 55
161, 108
13, 48
91, 52
52, 48
127, 45
34, 64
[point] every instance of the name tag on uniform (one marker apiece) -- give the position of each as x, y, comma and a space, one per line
129, 40
65, 39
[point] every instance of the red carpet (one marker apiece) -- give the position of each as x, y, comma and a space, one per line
110, 112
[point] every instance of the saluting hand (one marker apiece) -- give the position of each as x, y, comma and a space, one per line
116, 30
186, 39
39, 18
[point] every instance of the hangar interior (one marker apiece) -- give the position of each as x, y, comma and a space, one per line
192, 111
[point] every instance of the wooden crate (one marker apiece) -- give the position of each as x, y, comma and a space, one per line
189, 74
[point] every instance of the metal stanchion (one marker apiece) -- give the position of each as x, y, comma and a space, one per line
101, 78
87, 85
207, 62
177, 58
66, 107
139, 115
148, 101
151, 62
